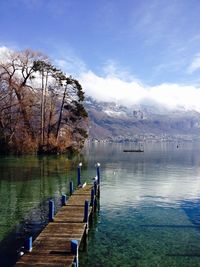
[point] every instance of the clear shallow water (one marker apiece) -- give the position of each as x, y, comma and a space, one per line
149, 208
26, 185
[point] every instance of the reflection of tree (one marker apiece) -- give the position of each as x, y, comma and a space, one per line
192, 210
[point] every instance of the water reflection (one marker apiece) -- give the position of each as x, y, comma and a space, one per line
192, 209
149, 213
147, 207
26, 185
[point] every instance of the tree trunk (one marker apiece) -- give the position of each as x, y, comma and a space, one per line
61, 110
25, 116
42, 111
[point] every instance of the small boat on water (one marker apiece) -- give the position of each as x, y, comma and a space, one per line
133, 150
137, 148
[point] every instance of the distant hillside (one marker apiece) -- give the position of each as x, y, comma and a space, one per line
112, 122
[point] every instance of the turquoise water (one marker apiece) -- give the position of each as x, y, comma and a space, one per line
149, 207
26, 185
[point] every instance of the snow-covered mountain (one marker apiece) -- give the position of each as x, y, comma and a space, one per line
113, 122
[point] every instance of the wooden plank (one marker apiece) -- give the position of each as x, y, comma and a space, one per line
45, 260
61, 231
78, 200
71, 214
53, 246
85, 190
43, 264
62, 228
30, 264
55, 240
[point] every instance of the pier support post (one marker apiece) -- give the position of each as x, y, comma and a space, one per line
95, 204
63, 200
71, 187
51, 210
95, 188
86, 211
92, 198
28, 244
79, 173
98, 173
74, 251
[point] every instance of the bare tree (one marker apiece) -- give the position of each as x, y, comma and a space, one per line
33, 99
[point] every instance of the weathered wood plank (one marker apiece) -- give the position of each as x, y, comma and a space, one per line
66, 225
53, 246
30, 264
45, 260
78, 200
62, 228
85, 190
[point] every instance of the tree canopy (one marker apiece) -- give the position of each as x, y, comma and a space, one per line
41, 109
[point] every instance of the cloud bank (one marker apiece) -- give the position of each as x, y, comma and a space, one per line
115, 83
113, 88
120, 86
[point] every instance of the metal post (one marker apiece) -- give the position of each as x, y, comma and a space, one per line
63, 200
28, 244
74, 251
79, 173
92, 198
51, 210
95, 204
86, 211
98, 173
95, 188
71, 187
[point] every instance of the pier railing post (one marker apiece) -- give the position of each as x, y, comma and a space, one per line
98, 180
98, 173
51, 210
95, 204
71, 187
95, 188
28, 244
96, 194
79, 173
86, 211
92, 197
63, 200
74, 251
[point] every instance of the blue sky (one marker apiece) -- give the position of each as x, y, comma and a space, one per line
151, 42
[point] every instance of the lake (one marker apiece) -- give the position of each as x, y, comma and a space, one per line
149, 207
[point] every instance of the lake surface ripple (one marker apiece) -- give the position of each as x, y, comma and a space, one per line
149, 207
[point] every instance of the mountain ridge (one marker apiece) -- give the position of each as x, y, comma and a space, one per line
110, 121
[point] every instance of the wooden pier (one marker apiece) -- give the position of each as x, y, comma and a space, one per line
58, 244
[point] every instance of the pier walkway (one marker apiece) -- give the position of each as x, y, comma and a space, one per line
58, 243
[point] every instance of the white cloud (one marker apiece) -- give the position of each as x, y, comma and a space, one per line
176, 96
195, 65
112, 68
4, 53
112, 88
118, 85
71, 65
